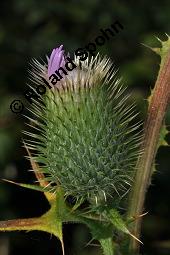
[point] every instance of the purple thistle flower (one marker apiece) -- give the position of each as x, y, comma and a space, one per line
56, 60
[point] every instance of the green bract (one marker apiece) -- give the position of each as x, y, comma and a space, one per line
86, 141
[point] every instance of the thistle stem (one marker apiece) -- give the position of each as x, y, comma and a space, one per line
21, 224
156, 113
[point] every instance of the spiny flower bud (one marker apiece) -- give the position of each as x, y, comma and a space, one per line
86, 142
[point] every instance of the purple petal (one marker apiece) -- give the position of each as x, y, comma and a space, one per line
56, 60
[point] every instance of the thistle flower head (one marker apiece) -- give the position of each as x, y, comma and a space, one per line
86, 142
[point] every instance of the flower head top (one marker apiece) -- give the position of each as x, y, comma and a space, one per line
56, 60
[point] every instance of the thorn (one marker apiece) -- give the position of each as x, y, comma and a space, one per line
104, 195
62, 245
156, 50
135, 238
158, 39
89, 243
5, 180
139, 216
147, 46
96, 200
167, 35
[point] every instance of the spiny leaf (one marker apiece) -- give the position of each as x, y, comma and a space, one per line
40, 177
101, 232
50, 222
28, 186
119, 223
107, 246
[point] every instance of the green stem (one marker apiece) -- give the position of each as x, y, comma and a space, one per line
156, 113
21, 224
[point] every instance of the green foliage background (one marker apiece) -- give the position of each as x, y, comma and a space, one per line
30, 29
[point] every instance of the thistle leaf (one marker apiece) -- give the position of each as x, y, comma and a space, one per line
101, 232
119, 223
40, 177
107, 246
50, 222
28, 186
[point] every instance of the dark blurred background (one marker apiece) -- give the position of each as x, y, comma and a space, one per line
31, 29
